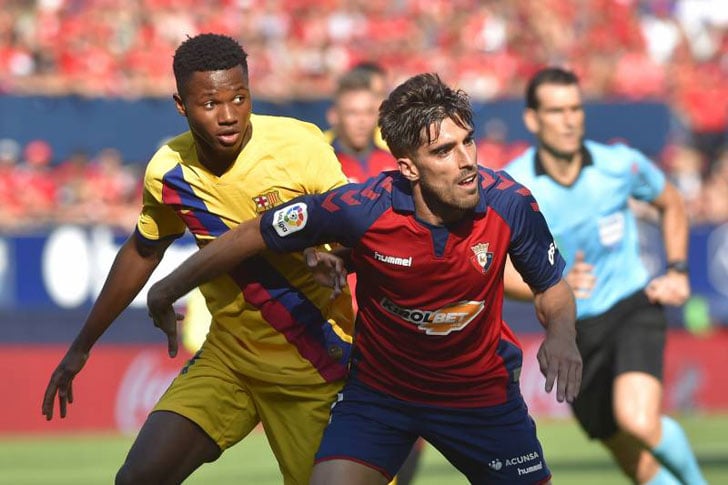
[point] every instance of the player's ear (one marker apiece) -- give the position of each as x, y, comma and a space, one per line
179, 104
408, 169
530, 120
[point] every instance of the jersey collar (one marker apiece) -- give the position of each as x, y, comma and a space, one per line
586, 160
402, 200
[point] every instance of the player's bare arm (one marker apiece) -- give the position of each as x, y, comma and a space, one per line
558, 356
672, 288
216, 258
131, 269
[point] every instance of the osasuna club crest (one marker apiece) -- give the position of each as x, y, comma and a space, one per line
481, 258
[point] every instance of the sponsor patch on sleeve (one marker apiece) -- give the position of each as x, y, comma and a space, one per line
290, 219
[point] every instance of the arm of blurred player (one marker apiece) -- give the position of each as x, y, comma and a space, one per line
558, 356
216, 258
580, 278
132, 267
672, 288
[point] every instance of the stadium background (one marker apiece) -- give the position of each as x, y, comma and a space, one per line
85, 100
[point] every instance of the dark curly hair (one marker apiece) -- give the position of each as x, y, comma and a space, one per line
422, 100
207, 52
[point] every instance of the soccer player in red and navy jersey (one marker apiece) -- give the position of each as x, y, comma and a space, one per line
432, 356
353, 118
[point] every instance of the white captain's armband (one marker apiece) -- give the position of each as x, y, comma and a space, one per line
290, 219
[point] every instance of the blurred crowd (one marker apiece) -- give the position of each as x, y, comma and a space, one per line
674, 51
626, 48
83, 189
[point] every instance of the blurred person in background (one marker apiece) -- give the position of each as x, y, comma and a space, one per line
353, 119
271, 356
10, 206
38, 188
375, 78
583, 189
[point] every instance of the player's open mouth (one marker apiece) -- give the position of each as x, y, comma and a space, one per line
228, 138
467, 181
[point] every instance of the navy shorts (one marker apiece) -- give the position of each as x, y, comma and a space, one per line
496, 444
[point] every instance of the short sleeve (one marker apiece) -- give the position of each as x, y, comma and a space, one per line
157, 220
532, 248
648, 181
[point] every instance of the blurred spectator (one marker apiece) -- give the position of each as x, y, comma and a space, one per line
685, 166
715, 191
37, 188
98, 191
10, 205
494, 151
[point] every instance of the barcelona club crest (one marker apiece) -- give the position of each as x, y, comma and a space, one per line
266, 201
481, 258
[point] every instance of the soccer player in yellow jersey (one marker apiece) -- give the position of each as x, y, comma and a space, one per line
270, 357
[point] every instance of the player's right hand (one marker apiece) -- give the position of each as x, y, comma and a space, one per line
61, 382
164, 317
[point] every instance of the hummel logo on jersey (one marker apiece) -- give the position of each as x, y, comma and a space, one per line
450, 318
290, 219
393, 259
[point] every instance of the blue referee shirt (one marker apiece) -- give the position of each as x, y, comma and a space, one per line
592, 215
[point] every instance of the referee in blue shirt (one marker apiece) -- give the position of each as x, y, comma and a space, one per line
583, 189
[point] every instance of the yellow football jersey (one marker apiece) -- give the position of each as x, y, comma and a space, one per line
269, 316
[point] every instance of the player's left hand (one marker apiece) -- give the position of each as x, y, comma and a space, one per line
165, 318
560, 362
672, 288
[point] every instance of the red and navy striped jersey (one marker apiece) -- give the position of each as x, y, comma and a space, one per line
429, 327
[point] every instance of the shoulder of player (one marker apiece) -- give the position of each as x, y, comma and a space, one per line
502, 192
172, 153
523, 165
369, 192
291, 140
616, 158
286, 127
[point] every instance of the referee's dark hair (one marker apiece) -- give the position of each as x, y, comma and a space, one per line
549, 75
207, 52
